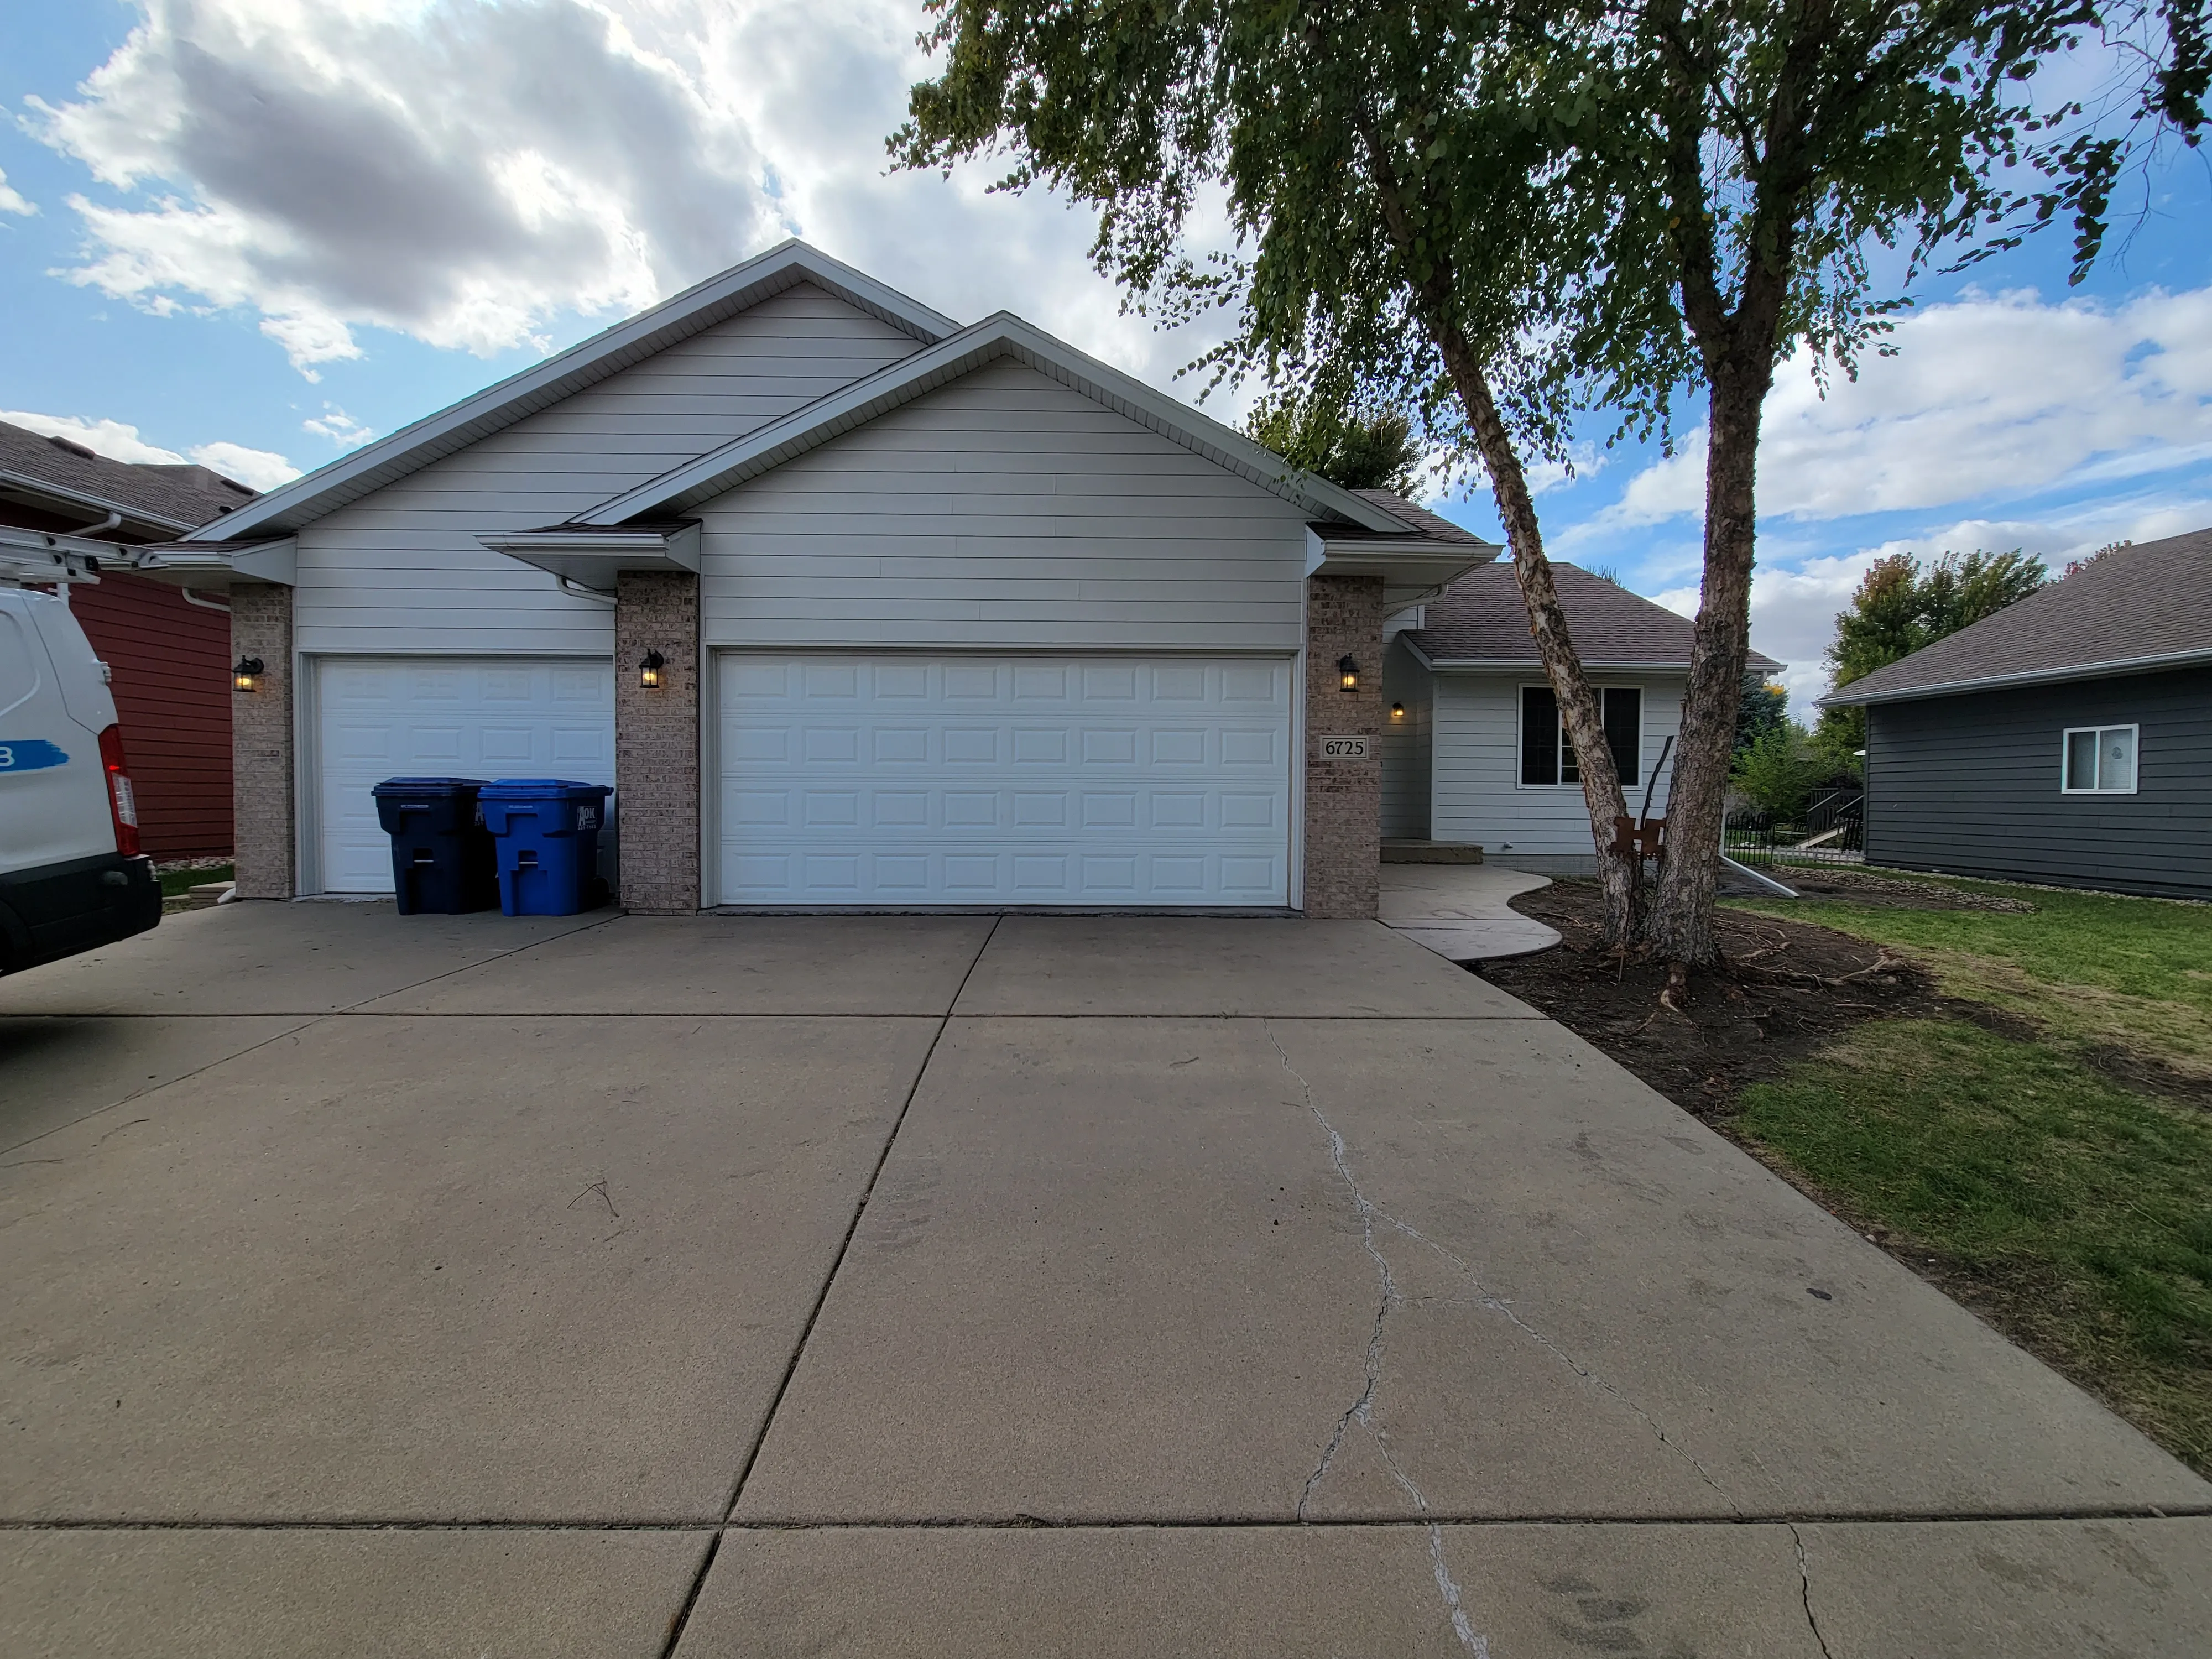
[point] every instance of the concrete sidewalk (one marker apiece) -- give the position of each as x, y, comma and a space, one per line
877, 1286
1461, 911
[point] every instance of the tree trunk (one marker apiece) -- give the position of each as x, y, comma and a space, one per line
1681, 926
1620, 876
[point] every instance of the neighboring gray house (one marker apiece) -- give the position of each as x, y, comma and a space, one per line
1474, 750
947, 617
2066, 739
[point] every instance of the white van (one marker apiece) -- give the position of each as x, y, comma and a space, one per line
71, 877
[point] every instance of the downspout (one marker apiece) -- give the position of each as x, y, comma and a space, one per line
191, 598
569, 585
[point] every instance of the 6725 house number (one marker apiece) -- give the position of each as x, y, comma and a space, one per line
1345, 747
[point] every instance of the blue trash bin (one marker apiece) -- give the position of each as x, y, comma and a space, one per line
442, 858
546, 831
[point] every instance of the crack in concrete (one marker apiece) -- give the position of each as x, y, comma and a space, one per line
1495, 1303
1362, 1410
1805, 1590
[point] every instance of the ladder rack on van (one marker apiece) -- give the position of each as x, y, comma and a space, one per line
44, 556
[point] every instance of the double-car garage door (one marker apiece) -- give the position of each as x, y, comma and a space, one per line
873, 782
965, 780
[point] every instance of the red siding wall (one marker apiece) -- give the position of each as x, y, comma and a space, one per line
171, 662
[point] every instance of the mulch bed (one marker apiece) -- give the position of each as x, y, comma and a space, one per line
1787, 989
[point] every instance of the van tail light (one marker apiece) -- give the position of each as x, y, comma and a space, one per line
121, 803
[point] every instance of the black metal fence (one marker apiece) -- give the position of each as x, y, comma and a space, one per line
1831, 829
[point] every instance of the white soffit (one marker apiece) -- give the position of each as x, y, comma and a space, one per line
593, 558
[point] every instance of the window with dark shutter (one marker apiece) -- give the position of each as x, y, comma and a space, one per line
1623, 730
1540, 735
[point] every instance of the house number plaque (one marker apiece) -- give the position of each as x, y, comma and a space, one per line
1345, 747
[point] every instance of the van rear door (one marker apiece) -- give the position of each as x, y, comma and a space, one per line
53, 789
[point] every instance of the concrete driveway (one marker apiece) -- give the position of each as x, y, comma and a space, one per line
990, 1286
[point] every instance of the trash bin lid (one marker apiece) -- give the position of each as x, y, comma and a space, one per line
425, 785
544, 789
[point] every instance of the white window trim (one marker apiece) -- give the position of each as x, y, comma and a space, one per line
1642, 720
2134, 741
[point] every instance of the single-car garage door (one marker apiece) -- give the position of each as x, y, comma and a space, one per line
474, 717
967, 779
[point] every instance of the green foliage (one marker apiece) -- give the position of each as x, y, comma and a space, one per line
1900, 606
1357, 448
1777, 771
1837, 740
2075, 566
1762, 709
2081, 1199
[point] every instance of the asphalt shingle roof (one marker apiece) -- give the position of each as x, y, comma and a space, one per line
187, 493
1480, 618
2129, 608
1437, 529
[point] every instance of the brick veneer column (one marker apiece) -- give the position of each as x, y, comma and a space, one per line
1344, 798
261, 743
657, 742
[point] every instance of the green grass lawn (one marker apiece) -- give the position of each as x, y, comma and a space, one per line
2085, 1207
175, 884
2072, 1210
2089, 968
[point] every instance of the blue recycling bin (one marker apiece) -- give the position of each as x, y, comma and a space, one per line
442, 859
546, 831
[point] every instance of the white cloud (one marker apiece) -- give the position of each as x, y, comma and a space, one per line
256, 468
1988, 395
12, 201
260, 469
467, 172
340, 428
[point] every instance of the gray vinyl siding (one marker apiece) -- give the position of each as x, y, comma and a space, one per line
1003, 510
1407, 774
1970, 784
400, 570
1478, 792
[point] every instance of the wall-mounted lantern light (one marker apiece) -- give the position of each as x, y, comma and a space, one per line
1347, 673
1397, 711
246, 676
648, 671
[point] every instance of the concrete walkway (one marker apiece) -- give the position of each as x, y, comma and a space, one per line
1459, 910
896, 1285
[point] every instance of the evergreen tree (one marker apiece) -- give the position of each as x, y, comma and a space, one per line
1356, 448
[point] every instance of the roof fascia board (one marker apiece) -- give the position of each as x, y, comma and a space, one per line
1003, 336
605, 354
2094, 670
90, 502
207, 564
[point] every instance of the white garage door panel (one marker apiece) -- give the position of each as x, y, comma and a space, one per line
473, 717
1020, 781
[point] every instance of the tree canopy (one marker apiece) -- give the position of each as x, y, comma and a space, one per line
1495, 214
1357, 448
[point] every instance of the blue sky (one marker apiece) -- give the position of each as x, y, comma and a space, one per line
257, 232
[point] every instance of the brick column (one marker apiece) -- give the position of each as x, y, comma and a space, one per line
261, 743
657, 742
1344, 798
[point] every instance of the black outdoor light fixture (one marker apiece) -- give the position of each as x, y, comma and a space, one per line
246, 677
648, 671
1397, 711
1347, 673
